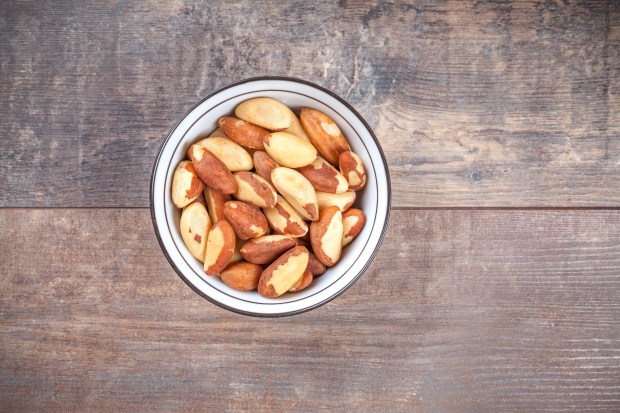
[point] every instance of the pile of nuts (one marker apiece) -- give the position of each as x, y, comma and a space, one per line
266, 159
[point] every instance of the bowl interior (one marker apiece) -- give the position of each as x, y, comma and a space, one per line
373, 199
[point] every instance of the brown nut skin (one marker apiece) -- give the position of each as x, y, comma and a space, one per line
302, 242
266, 249
186, 186
283, 273
285, 220
242, 132
324, 134
247, 220
201, 200
220, 247
353, 221
315, 266
215, 204
324, 177
326, 236
264, 164
353, 169
242, 275
211, 170
304, 281
254, 189
306, 237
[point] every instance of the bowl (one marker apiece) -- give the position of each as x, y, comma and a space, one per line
373, 199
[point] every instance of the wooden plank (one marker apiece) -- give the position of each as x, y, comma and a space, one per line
480, 311
475, 103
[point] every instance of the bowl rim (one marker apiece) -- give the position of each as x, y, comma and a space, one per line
353, 280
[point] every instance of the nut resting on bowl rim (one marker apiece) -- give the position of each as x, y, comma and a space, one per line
374, 200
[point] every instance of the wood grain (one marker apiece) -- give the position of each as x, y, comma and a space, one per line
476, 104
483, 103
463, 311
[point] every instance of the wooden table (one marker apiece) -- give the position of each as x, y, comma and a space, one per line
497, 287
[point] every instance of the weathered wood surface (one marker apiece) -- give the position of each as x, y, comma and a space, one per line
476, 104
465, 311
482, 103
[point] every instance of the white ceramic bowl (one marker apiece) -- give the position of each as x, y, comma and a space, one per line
374, 199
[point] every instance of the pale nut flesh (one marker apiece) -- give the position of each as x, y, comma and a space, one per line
265, 112
218, 133
186, 186
326, 236
232, 155
289, 150
304, 281
297, 190
343, 201
220, 247
283, 273
195, 225
297, 129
